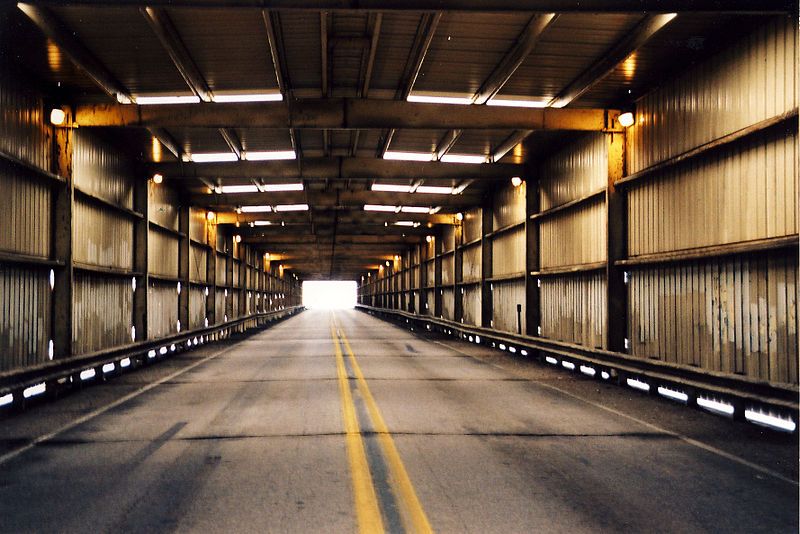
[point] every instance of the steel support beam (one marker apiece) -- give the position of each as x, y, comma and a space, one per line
616, 217
63, 202
344, 113
487, 287
532, 291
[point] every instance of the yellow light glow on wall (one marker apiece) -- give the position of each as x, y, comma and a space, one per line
54, 58
156, 149
629, 67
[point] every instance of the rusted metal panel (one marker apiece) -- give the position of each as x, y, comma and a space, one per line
471, 266
448, 272
197, 306
162, 309
753, 80
509, 206
100, 168
197, 263
574, 237
472, 225
448, 238
472, 304
222, 270
24, 128
430, 273
508, 253
573, 308
220, 311
506, 296
163, 206
197, 225
428, 307
733, 315
162, 254
25, 324
741, 193
102, 237
25, 213
575, 171
448, 304
96, 324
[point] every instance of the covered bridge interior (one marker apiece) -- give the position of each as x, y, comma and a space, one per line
603, 191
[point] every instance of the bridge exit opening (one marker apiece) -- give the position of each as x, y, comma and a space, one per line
330, 295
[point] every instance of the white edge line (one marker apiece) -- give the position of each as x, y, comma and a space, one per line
91, 415
685, 439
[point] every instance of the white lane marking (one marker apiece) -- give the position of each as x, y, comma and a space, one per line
91, 415
678, 435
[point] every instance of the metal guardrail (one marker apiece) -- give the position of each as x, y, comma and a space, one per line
17, 386
739, 397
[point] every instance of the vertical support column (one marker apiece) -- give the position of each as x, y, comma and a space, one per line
616, 216
184, 250
62, 244
458, 275
532, 306
437, 271
228, 241
486, 262
211, 273
244, 258
423, 277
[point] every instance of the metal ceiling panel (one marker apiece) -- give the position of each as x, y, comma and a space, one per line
466, 49
301, 42
311, 143
394, 47
416, 140
479, 142
121, 39
199, 140
260, 139
229, 46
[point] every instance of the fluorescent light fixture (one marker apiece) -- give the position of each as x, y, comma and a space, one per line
174, 99
379, 207
125, 362
460, 189
256, 209
87, 374
408, 156
715, 406
762, 419
248, 97
512, 350
638, 384
32, 391
273, 188
589, 371
212, 157
436, 98
6, 399
551, 360
261, 223
568, 365
523, 352
107, 368
392, 188
434, 190
462, 158
227, 189
434, 211
162, 351
605, 375
405, 223
517, 102
269, 155
502, 346
291, 207
414, 209
672, 394
151, 353
477, 339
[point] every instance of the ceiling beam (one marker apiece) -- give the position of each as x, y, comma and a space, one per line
508, 6
447, 142
351, 212
338, 168
326, 199
508, 145
343, 113
647, 28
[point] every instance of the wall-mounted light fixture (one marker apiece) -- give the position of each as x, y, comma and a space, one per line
626, 119
58, 117
516, 181
158, 178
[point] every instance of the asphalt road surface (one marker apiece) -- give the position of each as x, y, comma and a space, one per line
339, 422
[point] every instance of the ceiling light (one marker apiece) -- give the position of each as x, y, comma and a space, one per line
155, 100
428, 238
462, 158
212, 157
459, 216
516, 181
251, 97
404, 223
387, 263
392, 188
414, 209
517, 102
292, 207
408, 156
256, 209
626, 119
434, 190
158, 178
239, 189
460, 188
272, 188
261, 223
237, 238
378, 207
57, 116
269, 155
434, 211
210, 216
434, 98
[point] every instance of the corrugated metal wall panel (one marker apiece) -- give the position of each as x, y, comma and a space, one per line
222, 271
737, 194
198, 256
735, 315
163, 205
505, 297
509, 206
219, 305
574, 172
750, 81
103, 312
472, 225
448, 238
234, 297
429, 295
448, 304
471, 263
197, 225
197, 306
162, 254
25, 328
508, 253
162, 309
101, 236
472, 305
430, 272
577, 236
24, 131
573, 308
25, 212
100, 168
448, 270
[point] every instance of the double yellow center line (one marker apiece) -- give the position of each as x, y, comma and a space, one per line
368, 512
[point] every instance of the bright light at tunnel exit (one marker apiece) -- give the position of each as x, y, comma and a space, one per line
329, 295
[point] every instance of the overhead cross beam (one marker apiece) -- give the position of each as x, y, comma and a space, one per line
343, 113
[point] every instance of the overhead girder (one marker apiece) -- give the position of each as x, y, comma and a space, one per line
327, 199
343, 113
